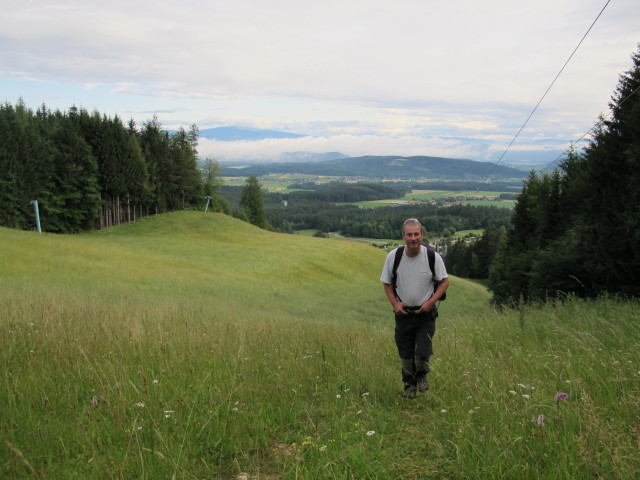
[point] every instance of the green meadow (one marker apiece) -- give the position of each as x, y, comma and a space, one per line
196, 346
476, 198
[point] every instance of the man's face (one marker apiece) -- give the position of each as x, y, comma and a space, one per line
412, 236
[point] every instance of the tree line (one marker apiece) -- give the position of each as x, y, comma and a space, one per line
88, 171
576, 231
302, 210
340, 192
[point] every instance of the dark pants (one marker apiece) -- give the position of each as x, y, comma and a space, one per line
413, 335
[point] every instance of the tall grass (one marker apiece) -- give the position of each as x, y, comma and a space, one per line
195, 346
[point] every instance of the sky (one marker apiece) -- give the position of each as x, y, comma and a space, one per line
409, 77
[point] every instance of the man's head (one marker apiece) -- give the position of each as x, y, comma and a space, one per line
410, 222
412, 235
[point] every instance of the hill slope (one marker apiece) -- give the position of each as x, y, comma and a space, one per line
193, 345
211, 257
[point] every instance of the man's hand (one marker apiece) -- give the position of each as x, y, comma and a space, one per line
426, 306
398, 307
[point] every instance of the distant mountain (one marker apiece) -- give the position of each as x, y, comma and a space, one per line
418, 167
293, 157
229, 134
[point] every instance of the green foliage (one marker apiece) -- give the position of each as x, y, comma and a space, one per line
473, 258
212, 186
89, 171
344, 193
252, 203
577, 230
317, 210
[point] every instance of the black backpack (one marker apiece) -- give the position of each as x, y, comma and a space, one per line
431, 256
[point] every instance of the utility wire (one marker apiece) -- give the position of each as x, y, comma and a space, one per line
545, 93
575, 142
589, 131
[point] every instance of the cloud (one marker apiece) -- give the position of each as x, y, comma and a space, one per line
345, 71
352, 145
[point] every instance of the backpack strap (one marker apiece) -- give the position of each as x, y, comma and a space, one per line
431, 256
394, 271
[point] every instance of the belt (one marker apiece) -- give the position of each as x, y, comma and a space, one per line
412, 309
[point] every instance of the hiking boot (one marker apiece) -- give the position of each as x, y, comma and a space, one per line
423, 384
409, 392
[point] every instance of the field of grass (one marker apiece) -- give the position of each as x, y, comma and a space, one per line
310, 232
467, 233
468, 197
280, 183
195, 346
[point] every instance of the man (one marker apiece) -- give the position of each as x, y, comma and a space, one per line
414, 303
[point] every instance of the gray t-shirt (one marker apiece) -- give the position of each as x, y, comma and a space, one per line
414, 284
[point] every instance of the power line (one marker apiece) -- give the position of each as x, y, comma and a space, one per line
592, 128
545, 93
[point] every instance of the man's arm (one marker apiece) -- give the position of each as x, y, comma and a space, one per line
427, 305
398, 307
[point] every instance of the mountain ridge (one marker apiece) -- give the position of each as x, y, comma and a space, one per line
385, 167
231, 133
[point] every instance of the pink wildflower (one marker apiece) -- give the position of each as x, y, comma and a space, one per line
561, 396
541, 421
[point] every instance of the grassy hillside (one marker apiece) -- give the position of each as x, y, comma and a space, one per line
193, 345
192, 258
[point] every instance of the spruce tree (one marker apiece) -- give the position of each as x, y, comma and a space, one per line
577, 231
252, 203
610, 217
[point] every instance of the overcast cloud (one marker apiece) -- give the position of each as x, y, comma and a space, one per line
408, 77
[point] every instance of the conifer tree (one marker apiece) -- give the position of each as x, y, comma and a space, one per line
162, 178
610, 217
577, 231
184, 157
252, 203
212, 185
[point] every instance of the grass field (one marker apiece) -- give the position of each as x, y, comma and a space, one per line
280, 183
467, 233
468, 197
195, 346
